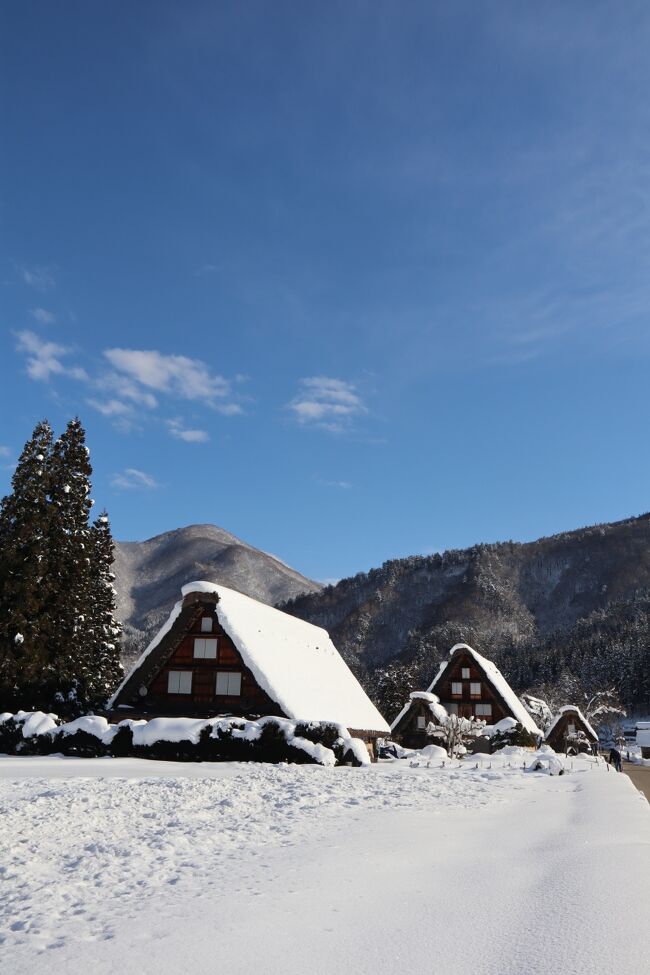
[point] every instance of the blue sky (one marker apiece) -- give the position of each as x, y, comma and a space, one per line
351, 280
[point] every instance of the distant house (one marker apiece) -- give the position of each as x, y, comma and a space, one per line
222, 653
643, 737
468, 685
570, 730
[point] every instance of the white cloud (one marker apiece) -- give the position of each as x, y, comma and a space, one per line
176, 375
42, 316
177, 430
5, 451
344, 485
39, 278
111, 407
131, 478
44, 358
326, 402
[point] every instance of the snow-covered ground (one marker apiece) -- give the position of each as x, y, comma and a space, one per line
127, 866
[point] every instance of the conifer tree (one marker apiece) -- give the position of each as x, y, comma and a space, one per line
70, 559
25, 573
103, 669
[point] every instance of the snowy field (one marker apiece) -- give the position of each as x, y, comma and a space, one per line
126, 866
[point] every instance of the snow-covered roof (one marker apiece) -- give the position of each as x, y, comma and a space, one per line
295, 662
498, 682
438, 713
578, 713
643, 737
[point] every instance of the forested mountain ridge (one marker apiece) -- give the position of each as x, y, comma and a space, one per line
577, 600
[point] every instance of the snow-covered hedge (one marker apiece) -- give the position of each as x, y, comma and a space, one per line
268, 739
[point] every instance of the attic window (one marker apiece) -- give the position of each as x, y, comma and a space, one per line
475, 689
228, 683
179, 682
205, 648
206, 624
465, 673
456, 688
422, 721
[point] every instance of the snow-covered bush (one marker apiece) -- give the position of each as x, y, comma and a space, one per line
269, 739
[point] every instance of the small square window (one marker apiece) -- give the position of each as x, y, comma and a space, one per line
228, 683
179, 682
206, 624
483, 711
475, 689
456, 688
465, 673
205, 648
422, 721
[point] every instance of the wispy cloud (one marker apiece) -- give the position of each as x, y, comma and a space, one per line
133, 479
110, 407
44, 359
5, 451
42, 316
175, 375
39, 278
326, 402
178, 430
342, 485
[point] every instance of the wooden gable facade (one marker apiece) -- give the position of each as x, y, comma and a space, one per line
570, 731
464, 688
196, 670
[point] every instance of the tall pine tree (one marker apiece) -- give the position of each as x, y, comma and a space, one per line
70, 559
103, 667
25, 574
58, 635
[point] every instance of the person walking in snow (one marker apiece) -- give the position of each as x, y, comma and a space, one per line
615, 759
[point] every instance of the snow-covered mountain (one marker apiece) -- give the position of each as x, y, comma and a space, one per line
149, 574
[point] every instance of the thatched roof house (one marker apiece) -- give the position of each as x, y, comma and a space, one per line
221, 652
466, 684
570, 729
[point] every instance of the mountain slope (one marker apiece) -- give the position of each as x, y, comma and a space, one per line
513, 601
149, 575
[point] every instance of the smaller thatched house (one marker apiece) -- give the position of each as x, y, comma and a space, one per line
468, 685
570, 731
643, 737
420, 711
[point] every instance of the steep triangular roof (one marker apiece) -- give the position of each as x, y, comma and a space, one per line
498, 682
570, 709
294, 662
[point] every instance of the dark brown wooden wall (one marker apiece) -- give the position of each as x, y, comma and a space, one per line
466, 703
203, 699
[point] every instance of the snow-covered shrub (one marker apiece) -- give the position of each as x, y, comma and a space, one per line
21, 733
268, 739
516, 734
